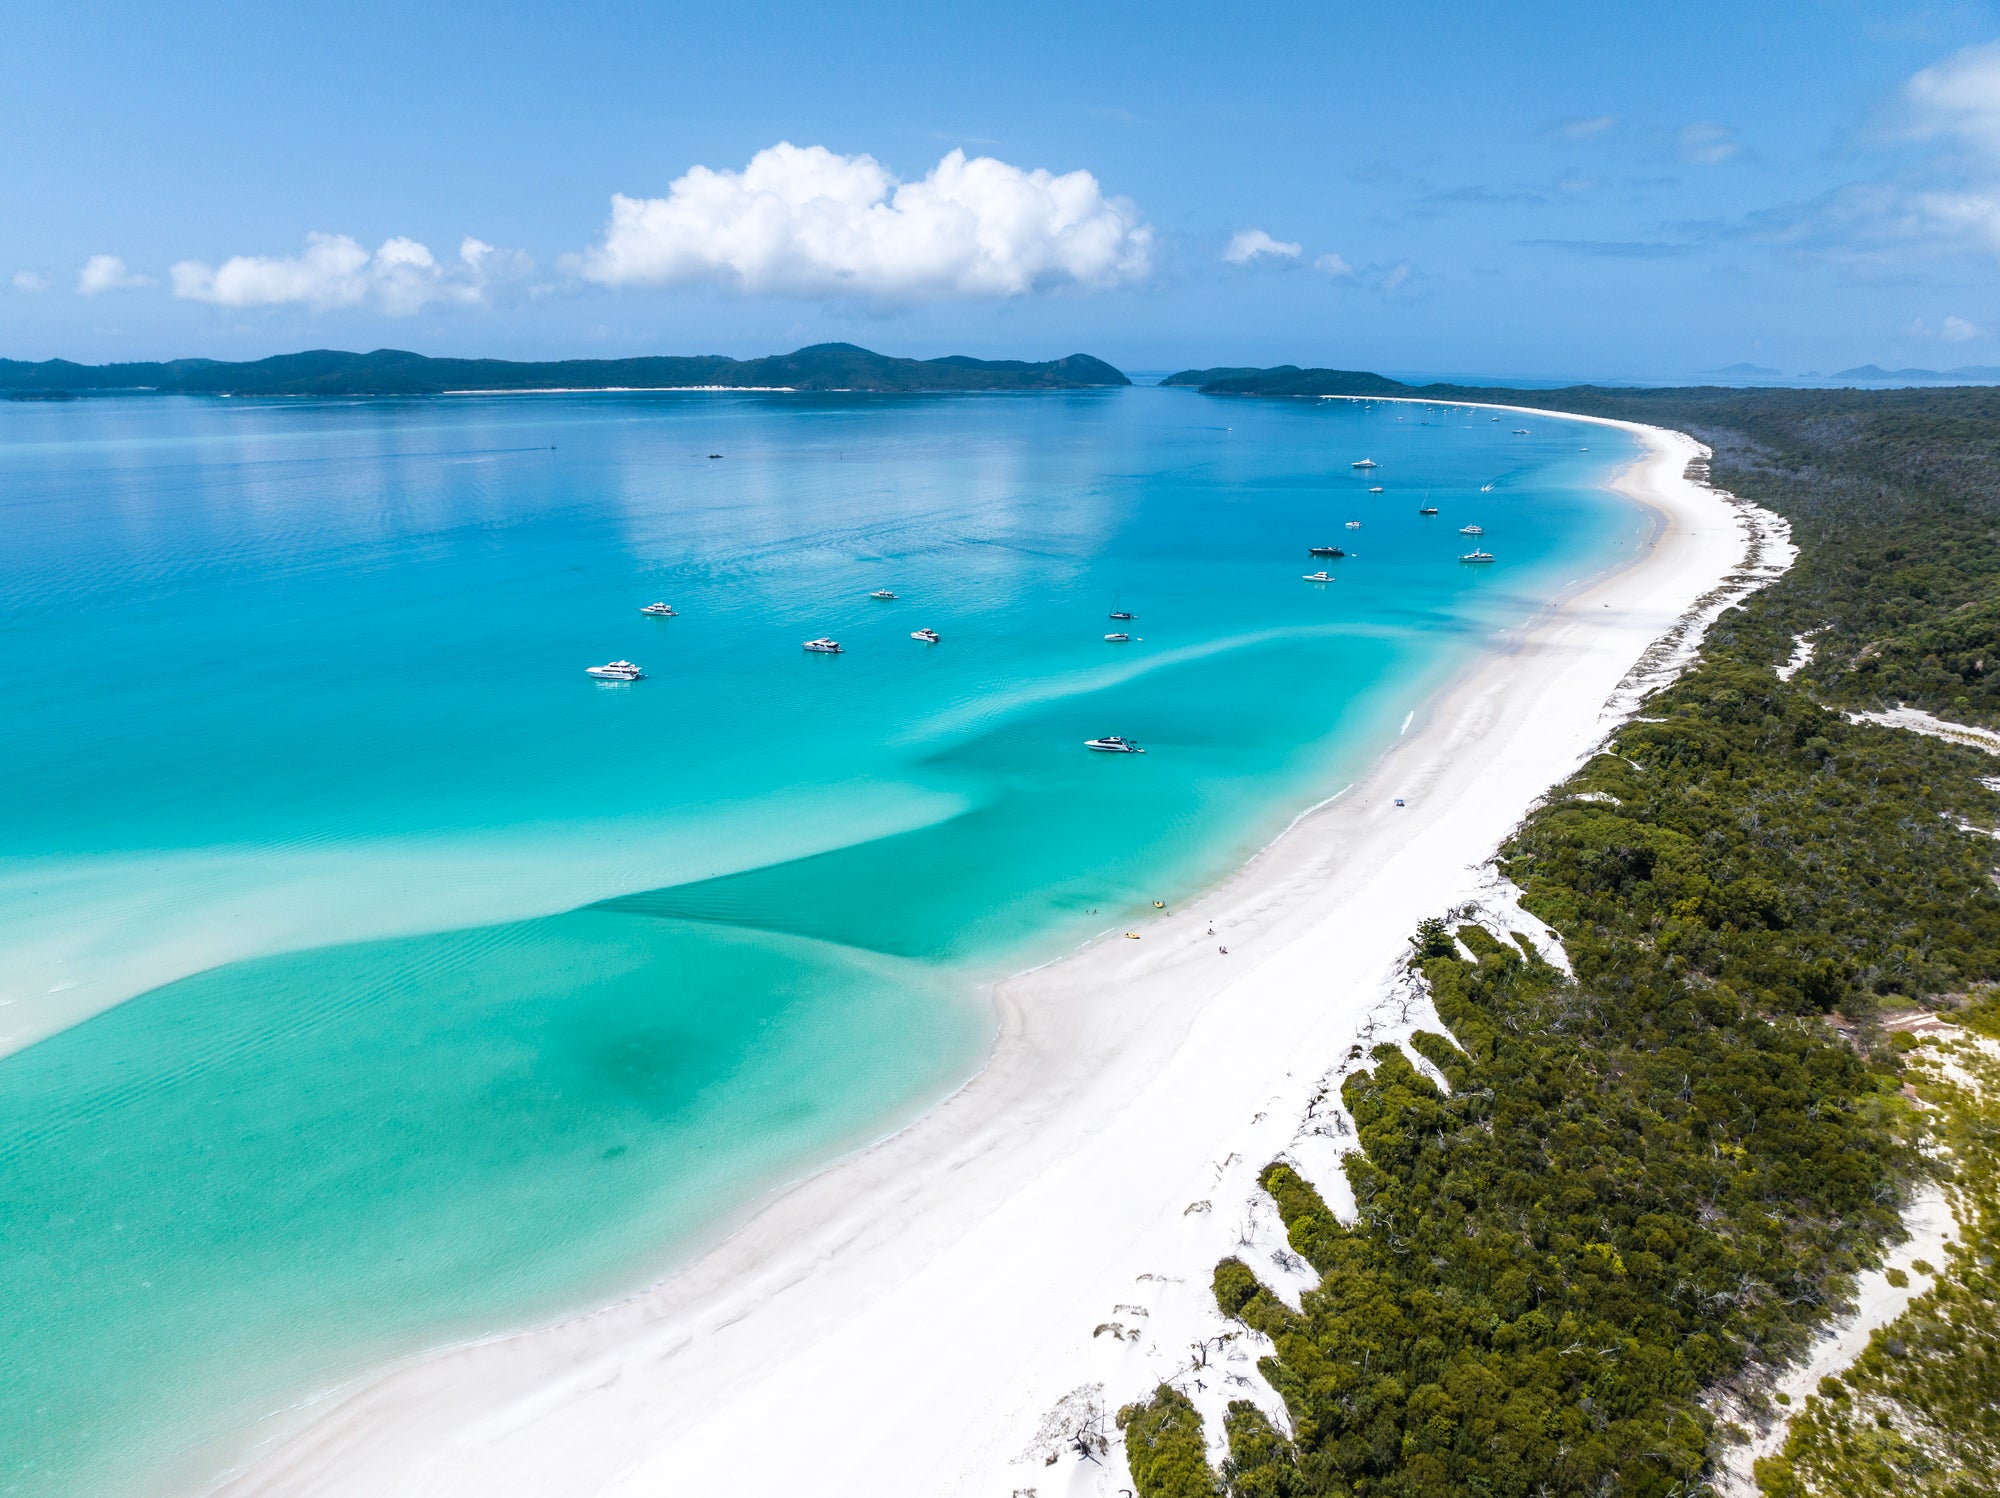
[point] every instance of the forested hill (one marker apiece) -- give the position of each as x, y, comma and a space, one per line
824, 366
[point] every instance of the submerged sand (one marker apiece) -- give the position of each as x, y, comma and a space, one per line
905, 1321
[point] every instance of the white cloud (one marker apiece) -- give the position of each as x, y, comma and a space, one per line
1333, 265
1706, 143
102, 273
1951, 330
400, 278
1585, 129
1959, 99
811, 223
1248, 244
31, 282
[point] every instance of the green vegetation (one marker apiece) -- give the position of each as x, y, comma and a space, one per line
1657, 1178
1918, 1413
825, 366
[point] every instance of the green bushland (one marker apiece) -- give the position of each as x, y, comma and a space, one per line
1662, 1175
1918, 1413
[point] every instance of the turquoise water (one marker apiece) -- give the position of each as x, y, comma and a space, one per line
468, 988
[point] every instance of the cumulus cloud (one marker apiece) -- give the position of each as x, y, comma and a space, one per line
1333, 265
1248, 244
31, 282
1706, 143
1951, 330
399, 278
1959, 99
102, 273
808, 222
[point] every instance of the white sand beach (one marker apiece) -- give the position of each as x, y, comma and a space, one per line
902, 1323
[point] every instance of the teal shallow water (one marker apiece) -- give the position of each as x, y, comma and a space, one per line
423, 1103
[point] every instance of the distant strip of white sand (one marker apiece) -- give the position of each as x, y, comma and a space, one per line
904, 1322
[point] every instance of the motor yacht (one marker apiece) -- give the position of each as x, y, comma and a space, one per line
928, 636
823, 646
1520, 431
615, 671
1319, 577
884, 594
1354, 525
1111, 743
1118, 638
659, 610
1365, 463
1428, 510
1324, 551
1477, 556
1472, 530
1487, 488
1374, 488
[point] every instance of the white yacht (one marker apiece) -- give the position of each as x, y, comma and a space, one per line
659, 610
884, 594
928, 636
615, 671
1472, 530
1354, 525
1477, 556
823, 646
1111, 743
1374, 488
1486, 488
1119, 638
1365, 463
1319, 577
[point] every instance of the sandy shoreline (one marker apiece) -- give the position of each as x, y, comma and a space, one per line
902, 1322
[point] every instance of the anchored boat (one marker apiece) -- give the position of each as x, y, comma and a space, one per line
928, 636
823, 646
1111, 743
615, 671
658, 610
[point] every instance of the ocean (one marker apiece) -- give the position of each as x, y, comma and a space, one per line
374, 978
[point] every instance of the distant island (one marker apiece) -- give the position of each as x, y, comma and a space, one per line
824, 366
1290, 379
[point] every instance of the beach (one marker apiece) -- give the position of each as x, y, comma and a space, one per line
906, 1320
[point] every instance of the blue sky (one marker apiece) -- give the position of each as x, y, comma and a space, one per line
1532, 190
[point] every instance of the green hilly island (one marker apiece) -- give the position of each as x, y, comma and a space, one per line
824, 366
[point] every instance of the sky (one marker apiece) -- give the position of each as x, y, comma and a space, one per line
1529, 191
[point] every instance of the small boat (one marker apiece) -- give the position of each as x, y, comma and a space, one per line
658, 610
1428, 510
1354, 525
1487, 488
1365, 463
1374, 488
1122, 614
1324, 551
928, 636
1111, 743
615, 671
884, 594
1117, 639
713, 456
1472, 530
1520, 431
1477, 556
823, 646
1318, 577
